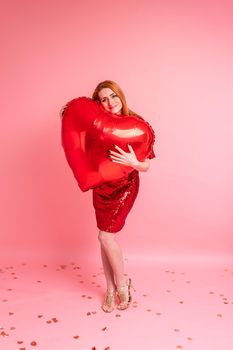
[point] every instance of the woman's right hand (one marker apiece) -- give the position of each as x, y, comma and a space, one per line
62, 110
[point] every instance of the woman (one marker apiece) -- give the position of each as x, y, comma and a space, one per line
113, 201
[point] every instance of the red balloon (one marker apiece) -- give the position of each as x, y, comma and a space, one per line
88, 132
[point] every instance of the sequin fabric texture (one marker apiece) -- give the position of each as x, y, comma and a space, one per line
112, 202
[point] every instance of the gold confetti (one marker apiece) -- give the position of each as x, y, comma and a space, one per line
176, 330
49, 321
12, 328
54, 319
181, 302
108, 348
179, 347
89, 297
76, 336
104, 329
33, 343
88, 314
117, 315
158, 313
168, 291
22, 348
144, 295
211, 292
189, 338
11, 313
19, 342
39, 316
148, 310
219, 315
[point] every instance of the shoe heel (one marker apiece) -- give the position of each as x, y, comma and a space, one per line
131, 285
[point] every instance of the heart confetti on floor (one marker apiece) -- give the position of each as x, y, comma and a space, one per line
49, 306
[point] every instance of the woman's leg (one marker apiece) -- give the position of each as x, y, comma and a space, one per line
109, 275
113, 258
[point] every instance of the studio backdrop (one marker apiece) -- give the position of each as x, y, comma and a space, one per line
173, 60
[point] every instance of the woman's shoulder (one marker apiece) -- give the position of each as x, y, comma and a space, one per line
133, 114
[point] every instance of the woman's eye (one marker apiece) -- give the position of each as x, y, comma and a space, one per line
114, 96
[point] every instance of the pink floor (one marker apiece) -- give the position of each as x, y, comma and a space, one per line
177, 305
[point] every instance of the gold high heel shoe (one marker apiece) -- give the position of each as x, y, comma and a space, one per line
124, 295
109, 301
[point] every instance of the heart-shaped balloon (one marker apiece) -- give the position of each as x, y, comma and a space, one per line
88, 132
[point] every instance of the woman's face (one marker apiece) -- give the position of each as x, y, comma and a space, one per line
110, 101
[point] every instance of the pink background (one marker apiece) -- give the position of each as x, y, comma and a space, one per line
173, 59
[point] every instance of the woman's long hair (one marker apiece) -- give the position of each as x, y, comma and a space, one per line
118, 91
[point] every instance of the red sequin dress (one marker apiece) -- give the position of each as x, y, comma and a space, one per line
113, 201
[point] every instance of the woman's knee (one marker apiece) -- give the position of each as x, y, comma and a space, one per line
105, 237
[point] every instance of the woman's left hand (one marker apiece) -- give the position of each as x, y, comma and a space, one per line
128, 158
124, 158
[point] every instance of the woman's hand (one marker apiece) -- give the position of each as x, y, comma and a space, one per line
128, 158
62, 110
